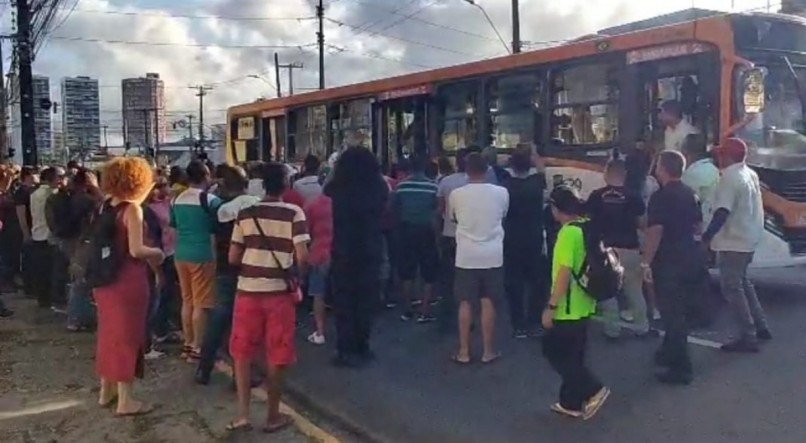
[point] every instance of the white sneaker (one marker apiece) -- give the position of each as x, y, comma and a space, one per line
154, 355
655, 315
316, 338
627, 316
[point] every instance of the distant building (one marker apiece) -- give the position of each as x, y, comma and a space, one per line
81, 114
144, 122
42, 116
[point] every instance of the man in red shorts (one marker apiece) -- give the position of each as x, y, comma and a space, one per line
267, 240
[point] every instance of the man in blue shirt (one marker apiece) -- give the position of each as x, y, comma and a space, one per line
414, 205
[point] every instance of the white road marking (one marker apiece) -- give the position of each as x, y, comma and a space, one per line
40, 409
693, 340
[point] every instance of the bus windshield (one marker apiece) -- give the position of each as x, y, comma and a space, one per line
776, 136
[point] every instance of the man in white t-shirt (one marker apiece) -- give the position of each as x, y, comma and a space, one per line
478, 209
701, 175
677, 126
734, 234
308, 185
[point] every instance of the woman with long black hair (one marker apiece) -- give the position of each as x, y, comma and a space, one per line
359, 193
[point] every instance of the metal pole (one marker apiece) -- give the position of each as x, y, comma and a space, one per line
190, 126
106, 140
290, 80
277, 73
30, 155
157, 133
516, 27
3, 104
320, 12
147, 130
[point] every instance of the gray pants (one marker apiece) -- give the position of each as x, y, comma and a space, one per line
740, 293
634, 293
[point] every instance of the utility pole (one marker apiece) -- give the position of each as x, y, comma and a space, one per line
30, 156
516, 27
147, 130
4, 151
157, 134
291, 67
320, 37
201, 94
106, 140
277, 74
190, 126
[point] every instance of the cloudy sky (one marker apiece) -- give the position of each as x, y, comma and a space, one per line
222, 42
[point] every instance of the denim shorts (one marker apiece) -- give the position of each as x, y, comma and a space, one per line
317, 280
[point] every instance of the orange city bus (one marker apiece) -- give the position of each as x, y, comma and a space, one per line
577, 102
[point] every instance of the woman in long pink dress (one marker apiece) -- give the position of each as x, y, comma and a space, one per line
123, 305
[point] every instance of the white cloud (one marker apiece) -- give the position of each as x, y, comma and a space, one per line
472, 37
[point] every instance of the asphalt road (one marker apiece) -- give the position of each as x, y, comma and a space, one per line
48, 392
414, 393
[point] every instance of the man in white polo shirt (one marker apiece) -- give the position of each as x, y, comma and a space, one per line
677, 126
734, 233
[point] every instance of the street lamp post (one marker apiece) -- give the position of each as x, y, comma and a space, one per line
490, 21
260, 77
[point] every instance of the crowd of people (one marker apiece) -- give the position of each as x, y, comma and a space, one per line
194, 255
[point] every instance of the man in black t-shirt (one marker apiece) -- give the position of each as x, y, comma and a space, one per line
671, 262
616, 213
523, 243
22, 203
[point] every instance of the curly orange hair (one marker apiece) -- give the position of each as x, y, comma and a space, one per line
127, 178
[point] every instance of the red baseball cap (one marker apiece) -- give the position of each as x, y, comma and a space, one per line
732, 148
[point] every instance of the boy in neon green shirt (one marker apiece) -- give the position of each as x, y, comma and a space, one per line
566, 315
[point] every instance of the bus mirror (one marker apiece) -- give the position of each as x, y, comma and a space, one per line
753, 80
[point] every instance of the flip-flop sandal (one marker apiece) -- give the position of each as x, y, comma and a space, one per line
143, 410
455, 359
277, 427
492, 360
186, 350
194, 357
243, 427
109, 403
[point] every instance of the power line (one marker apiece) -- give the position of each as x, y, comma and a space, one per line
427, 22
191, 16
405, 40
187, 45
377, 56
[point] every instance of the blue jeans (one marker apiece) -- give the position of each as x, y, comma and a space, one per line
165, 304
219, 322
80, 310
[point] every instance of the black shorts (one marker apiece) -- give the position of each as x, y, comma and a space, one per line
417, 250
474, 284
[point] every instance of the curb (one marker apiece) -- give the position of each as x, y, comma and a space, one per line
305, 426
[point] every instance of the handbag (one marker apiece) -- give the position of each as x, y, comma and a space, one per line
292, 285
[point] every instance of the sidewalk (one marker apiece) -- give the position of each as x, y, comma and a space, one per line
48, 392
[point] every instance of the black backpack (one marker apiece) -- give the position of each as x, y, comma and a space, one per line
98, 258
602, 274
59, 216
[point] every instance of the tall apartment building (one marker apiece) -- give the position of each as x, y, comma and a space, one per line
42, 116
81, 114
144, 122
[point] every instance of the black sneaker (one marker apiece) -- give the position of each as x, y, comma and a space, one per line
426, 318
763, 334
741, 345
406, 316
5, 313
345, 361
674, 378
520, 333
